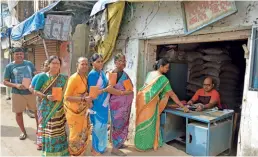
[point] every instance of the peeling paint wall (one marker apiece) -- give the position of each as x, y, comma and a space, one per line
248, 137
146, 20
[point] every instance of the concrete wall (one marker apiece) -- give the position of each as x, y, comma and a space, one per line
248, 137
146, 20
80, 44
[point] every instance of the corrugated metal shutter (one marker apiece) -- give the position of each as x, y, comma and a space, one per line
40, 55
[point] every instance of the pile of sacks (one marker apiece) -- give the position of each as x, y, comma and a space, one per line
214, 62
172, 55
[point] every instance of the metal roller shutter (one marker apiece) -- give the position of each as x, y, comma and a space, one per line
40, 55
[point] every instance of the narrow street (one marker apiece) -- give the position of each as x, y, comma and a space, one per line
12, 146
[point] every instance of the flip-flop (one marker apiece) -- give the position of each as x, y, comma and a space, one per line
23, 136
39, 147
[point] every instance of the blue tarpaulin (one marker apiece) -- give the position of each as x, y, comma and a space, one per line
31, 24
6, 33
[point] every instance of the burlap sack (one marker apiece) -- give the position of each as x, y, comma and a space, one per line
229, 67
213, 51
216, 58
192, 87
191, 56
195, 63
211, 72
229, 75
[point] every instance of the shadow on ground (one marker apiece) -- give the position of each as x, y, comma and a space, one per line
11, 131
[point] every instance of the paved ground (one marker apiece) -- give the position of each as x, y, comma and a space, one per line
12, 146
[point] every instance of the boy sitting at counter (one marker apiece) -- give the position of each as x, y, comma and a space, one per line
206, 97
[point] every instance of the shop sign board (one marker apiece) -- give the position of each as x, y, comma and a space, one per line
199, 14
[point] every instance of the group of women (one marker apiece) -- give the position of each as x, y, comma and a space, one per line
86, 116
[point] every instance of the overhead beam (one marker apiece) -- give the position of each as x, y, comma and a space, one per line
233, 35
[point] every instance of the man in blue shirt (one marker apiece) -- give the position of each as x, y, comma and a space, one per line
21, 97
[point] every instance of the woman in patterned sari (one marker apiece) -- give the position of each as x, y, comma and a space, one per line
99, 116
120, 107
77, 103
150, 102
54, 139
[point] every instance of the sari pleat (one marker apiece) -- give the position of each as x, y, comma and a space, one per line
150, 102
100, 118
77, 117
52, 122
120, 109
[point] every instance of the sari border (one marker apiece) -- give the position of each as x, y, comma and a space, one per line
54, 109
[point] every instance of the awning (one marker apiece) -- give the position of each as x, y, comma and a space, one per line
33, 23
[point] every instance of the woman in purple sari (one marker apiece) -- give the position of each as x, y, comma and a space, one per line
120, 107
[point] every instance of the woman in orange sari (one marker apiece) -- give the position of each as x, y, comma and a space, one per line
150, 102
77, 103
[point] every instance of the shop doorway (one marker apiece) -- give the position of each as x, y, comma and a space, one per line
218, 55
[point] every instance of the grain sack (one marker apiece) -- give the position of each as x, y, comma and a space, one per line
215, 65
211, 72
181, 56
170, 55
188, 47
197, 68
229, 67
192, 87
195, 63
195, 75
227, 87
229, 75
216, 58
196, 81
214, 51
191, 56
229, 82
216, 81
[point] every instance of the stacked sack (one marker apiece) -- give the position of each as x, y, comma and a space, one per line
169, 53
225, 75
195, 68
230, 86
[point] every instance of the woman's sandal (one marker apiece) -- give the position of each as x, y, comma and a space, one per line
39, 147
23, 136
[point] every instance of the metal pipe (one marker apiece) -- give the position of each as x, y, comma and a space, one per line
45, 48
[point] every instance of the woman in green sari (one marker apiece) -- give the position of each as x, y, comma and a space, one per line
151, 100
54, 139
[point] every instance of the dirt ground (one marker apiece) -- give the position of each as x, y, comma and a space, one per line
12, 146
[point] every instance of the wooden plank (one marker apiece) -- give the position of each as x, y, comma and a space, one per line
234, 35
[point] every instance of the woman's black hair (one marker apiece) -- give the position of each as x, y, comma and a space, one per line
160, 62
95, 57
51, 58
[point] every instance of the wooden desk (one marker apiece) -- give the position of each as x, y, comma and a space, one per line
207, 133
